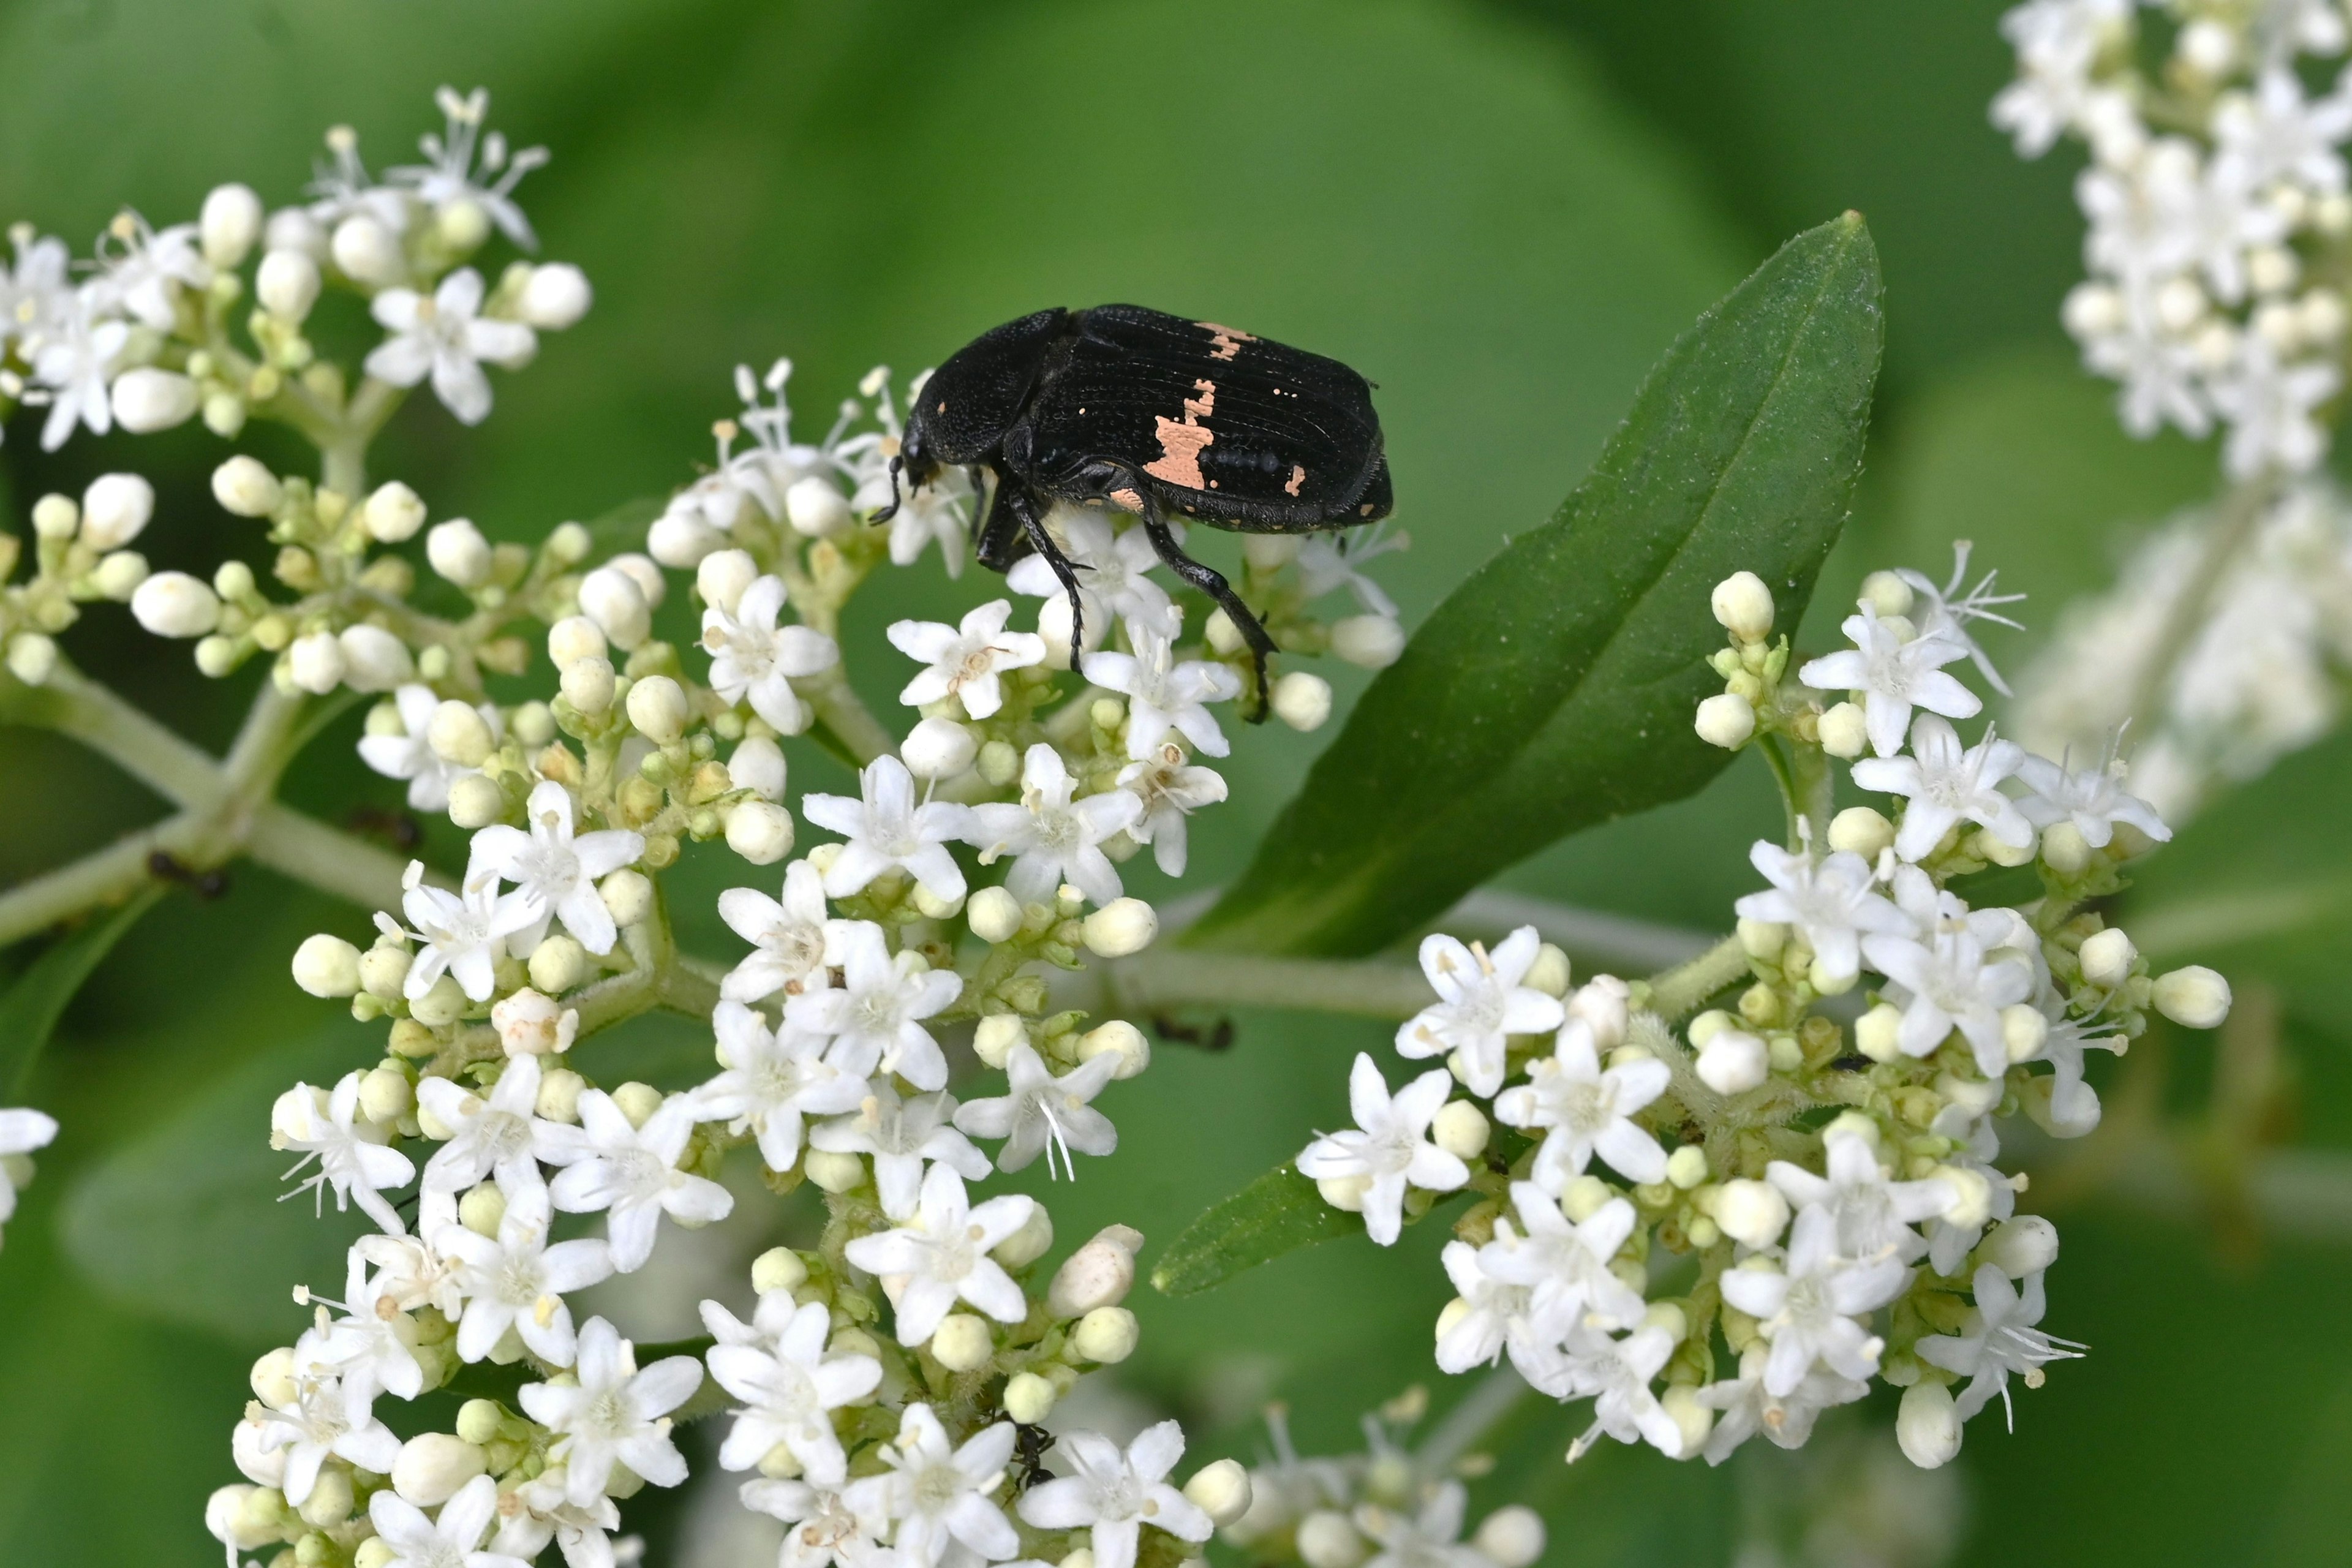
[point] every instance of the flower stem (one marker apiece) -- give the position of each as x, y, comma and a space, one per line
1681, 989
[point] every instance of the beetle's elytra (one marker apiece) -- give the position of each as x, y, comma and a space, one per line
1156, 414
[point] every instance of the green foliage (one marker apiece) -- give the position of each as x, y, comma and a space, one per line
1553, 691
36, 999
1280, 1211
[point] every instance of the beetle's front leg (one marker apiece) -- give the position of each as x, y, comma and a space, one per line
1212, 582
1021, 516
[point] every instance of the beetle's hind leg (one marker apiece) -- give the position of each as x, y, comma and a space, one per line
1020, 508
1212, 582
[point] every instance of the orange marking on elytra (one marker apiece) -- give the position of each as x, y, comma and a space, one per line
1128, 498
1226, 341
1297, 477
1181, 444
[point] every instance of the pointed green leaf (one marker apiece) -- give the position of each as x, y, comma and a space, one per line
37, 998
1280, 1211
1555, 689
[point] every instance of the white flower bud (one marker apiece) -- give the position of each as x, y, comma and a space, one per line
476, 801
118, 574
761, 831
554, 297
939, 748
1743, 607
1846, 733
2196, 996
147, 399
994, 1037
1971, 1203
175, 605
115, 510
628, 898
2093, 310
1302, 700
1224, 638
963, 1343
2020, 1247
2324, 317
1687, 1166
1369, 642
443, 1003
2107, 958
558, 1096
1134, 1050
1344, 1191
1460, 1128
458, 733
658, 708
612, 598
374, 659
1888, 593
1876, 1032
645, 574
458, 553
573, 638
1751, 1213
327, 965
1030, 1243
1726, 720
1106, 1335
815, 507
721, 576
758, 765
1220, 1490
1121, 927
386, 1096
1098, 1274
1602, 1004
1054, 626
1513, 1536
1734, 1062
229, 223
433, 1466
1551, 973
993, 914
383, 968
287, 284
531, 1023
234, 1520
1326, 1540
1861, 831
1028, 1398
32, 658
392, 512
557, 965
329, 1502
778, 1269
314, 661
243, 486
588, 684
367, 252
1926, 1426
55, 517
2023, 1031
680, 537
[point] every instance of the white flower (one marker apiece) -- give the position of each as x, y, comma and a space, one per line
2092, 799
1943, 784
2274, 133
554, 872
327, 1419
826, 1530
370, 1346
2269, 408
542, 1513
1162, 694
410, 754
1054, 838
2074, 1103
1949, 1245
1832, 902
351, 1152
73, 367
772, 1080
493, 1133
2158, 369
1944, 983
517, 1280
787, 1396
942, 1250
21, 1132
1748, 1408
1586, 1110
448, 1542
771, 1315
1389, 1146
788, 939
35, 290
1999, 1338
1114, 574
462, 933
141, 281
938, 1495
410, 1271
1617, 1372
1114, 1493
1565, 1266
1168, 791
875, 1019
615, 1414
1330, 562
1947, 611
1805, 1308
1893, 676
632, 1173
448, 180
902, 1138
1480, 1002
753, 658
1043, 1113
885, 828
964, 661
1873, 1213
1495, 1315
1430, 1539
441, 336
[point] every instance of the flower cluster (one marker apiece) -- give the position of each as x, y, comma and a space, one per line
1815, 1201
2218, 207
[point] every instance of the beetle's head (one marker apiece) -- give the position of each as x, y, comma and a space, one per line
914, 460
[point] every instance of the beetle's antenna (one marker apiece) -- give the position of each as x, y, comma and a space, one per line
888, 512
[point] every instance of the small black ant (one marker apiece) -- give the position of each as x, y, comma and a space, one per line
1030, 1442
400, 830
166, 866
1217, 1037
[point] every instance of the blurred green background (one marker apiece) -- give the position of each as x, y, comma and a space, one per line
1502, 212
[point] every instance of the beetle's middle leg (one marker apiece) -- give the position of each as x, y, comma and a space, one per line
1212, 582
1020, 511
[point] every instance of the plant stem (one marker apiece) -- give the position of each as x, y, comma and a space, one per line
1481, 1410
2241, 514
1681, 989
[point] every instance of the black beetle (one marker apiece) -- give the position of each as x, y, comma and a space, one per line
1155, 415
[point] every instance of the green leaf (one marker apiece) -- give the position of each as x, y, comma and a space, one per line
37, 998
1555, 689
1280, 1211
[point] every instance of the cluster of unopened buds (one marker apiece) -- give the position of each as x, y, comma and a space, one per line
1801, 1183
